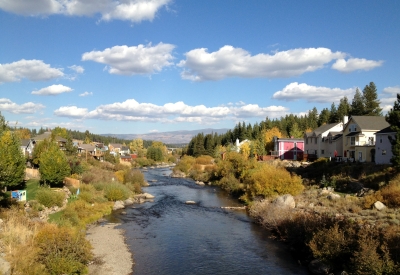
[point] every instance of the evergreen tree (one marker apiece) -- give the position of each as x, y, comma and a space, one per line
393, 118
295, 131
323, 117
357, 105
12, 161
312, 118
333, 114
371, 102
344, 108
54, 166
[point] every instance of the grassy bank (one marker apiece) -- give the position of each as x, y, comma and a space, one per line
58, 245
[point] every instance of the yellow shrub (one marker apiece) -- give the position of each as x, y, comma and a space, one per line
120, 175
204, 160
268, 181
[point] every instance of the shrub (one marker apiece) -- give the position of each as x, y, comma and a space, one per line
81, 213
204, 160
230, 184
135, 177
49, 197
391, 193
62, 250
97, 174
185, 164
269, 181
116, 191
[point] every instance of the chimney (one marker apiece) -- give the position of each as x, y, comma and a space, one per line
345, 120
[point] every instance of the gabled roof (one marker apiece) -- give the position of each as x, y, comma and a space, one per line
87, 147
323, 128
370, 122
385, 131
116, 145
25, 142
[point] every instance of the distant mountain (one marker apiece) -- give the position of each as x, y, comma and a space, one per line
173, 137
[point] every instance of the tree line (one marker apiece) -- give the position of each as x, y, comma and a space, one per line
364, 103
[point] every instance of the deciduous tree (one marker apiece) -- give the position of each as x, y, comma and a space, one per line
54, 166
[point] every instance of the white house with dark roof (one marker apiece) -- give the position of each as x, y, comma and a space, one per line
383, 147
359, 137
317, 142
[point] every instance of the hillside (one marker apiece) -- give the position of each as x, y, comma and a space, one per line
173, 137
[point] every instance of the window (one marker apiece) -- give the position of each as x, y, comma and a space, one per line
322, 151
352, 140
316, 140
306, 140
383, 152
380, 141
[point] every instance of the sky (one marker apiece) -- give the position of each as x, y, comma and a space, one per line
143, 66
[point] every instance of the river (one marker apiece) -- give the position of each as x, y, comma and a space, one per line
168, 236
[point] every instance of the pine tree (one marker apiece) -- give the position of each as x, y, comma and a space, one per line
344, 108
357, 105
393, 118
333, 114
12, 161
371, 102
323, 117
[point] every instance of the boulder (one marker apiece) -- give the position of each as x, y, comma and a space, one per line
128, 201
190, 202
178, 174
285, 201
148, 196
118, 205
333, 196
317, 267
379, 206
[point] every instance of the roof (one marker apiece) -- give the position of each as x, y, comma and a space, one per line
87, 147
116, 145
47, 135
385, 131
323, 128
124, 148
25, 142
353, 134
370, 122
291, 139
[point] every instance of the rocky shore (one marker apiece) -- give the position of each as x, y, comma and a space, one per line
111, 254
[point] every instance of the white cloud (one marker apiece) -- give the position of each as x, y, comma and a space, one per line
228, 61
77, 69
53, 90
86, 94
295, 91
141, 59
34, 70
354, 64
131, 110
28, 7
130, 10
25, 108
71, 112
389, 97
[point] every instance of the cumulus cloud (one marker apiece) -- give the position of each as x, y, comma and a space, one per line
388, 97
25, 108
34, 70
71, 112
355, 64
295, 91
129, 10
86, 94
53, 90
228, 61
77, 69
141, 59
131, 110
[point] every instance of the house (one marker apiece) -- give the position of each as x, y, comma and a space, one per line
334, 145
90, 150
27, 146
288, 148
383, 147
240, 144
359, 137
115, 148
47, 135
125, 151
317, 143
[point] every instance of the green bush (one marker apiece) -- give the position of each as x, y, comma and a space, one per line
63, 250
185, 164
230, 184
49, 197
116, 191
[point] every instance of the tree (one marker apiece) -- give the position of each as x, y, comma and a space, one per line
323, 117
12, 161
88, 139
371, 102
344, 108
357, 105
333, 114
54, 166
269, 136
393, 118
295, 131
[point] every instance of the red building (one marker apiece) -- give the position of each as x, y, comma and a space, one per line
288, 148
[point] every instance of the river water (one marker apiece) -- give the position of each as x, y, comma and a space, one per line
168, 236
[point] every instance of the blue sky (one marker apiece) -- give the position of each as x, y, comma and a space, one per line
139, 66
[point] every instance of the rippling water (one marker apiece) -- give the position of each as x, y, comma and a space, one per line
168, 236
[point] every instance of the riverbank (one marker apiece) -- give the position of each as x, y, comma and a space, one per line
111, 254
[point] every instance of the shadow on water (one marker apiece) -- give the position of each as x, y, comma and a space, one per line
168, 236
